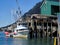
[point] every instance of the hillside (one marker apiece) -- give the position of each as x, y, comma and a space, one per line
35, 10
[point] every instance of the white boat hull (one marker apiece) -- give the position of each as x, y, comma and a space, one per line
20, 36
20, 32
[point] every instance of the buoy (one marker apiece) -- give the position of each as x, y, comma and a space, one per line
54, 40
7, 33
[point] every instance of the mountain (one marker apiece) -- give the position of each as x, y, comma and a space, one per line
35, 10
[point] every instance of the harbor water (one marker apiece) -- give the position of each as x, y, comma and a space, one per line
24, 41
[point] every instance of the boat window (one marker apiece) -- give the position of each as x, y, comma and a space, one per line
23, 29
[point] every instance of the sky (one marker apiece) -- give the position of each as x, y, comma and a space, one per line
7, 7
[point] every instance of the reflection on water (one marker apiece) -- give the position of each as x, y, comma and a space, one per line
6, 41
21, 41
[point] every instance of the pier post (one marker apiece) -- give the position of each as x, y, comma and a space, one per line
43, 28
51, 30
35, 29
47, 30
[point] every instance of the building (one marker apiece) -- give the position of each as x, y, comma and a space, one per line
47, 19
48, 24
50, 7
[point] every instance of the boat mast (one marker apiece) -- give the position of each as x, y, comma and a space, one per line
18, 13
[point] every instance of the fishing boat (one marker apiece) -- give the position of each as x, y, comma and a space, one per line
21, 32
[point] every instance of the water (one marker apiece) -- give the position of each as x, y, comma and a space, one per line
22, 41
